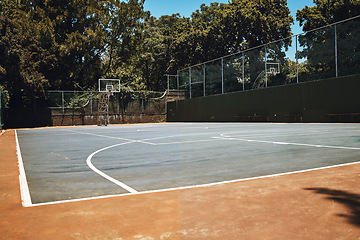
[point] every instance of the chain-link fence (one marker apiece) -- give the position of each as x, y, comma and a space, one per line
331, 51
82, 107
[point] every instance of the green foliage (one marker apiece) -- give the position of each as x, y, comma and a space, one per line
23, 61
69, 44
124, 25
5, 98
318, 45
63, 44
326, 12
173, 42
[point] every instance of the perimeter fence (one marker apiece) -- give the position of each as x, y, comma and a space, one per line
82, 107
330, 51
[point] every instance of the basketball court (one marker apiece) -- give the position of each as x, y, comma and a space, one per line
181, 181
74, 164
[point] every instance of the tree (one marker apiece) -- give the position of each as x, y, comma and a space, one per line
159, 54
124, 23
23, 61
63, 44
326, 12
56, 43
220, 29
69, 44
319, 45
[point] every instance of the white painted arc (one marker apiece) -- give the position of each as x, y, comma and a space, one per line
113, 180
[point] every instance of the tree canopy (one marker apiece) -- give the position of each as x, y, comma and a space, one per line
63, 44
319, 43
69, 44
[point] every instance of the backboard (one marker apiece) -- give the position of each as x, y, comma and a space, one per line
272, 68
109, 85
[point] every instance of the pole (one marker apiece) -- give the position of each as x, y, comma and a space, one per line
177, 82
91, 110
336, 54
265, 68
243, 70
62, 101
222, 76
168, 83
297, 60
204, 79
190, 81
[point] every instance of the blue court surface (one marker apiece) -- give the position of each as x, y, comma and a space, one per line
84, 162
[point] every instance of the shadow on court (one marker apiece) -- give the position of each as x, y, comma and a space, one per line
350, 200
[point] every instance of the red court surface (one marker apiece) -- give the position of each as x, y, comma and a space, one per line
321, 204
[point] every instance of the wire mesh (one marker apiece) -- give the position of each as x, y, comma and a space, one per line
144, 102
348, 47
326, 52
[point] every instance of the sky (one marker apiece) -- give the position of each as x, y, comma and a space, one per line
186, 7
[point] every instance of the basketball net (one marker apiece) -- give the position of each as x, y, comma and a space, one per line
109, 93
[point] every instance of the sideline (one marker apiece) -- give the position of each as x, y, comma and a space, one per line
193, 186
286, 143
24, 187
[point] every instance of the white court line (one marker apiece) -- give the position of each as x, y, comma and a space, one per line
24, 188
117, 138
113, 180
193, 186
266, 135
181, 142
98, 135
287, 143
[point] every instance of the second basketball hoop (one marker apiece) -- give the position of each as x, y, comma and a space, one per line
107, 87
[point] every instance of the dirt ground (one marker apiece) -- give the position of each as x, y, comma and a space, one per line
322, 204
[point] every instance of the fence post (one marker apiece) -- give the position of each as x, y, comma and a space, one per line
190, 82
62, 101
91, 103
222, 75
266, 84
204, 79
336, 54
297, 60
142, 105
168, 83
178, 84
243, 70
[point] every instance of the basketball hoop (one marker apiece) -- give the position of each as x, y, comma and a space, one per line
109, 90
272, 68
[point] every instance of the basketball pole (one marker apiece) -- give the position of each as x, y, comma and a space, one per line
107, 88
